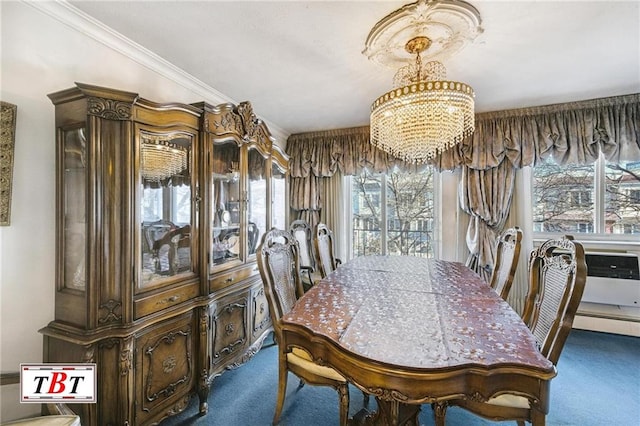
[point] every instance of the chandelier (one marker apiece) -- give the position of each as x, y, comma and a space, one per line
161, 158
425, 113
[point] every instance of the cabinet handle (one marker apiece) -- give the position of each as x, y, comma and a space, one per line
168, 300
229, 280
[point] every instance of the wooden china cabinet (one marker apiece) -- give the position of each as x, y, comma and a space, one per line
159, 211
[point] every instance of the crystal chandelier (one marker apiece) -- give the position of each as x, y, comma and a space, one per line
425, 114
161, 158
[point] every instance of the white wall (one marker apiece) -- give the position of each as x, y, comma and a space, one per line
41, 53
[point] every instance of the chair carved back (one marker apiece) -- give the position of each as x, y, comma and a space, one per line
558, 273
301, 231
507, 254
277, 257
253, 234
324, 250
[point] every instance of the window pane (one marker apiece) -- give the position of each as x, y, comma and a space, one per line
366, 193
410, 213
563, 198
622, 198
181, 212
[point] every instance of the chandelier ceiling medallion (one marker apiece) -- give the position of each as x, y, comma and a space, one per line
425, 114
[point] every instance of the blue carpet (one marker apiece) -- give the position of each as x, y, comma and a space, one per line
598, 384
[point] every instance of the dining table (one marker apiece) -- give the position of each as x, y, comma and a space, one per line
412, 331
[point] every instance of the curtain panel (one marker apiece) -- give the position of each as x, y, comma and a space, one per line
572, 133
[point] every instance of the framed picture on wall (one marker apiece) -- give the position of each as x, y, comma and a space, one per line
7, 141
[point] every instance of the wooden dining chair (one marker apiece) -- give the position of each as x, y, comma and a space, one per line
557, 275
323, 241
327, 262
301, 231
279, 268
506, 263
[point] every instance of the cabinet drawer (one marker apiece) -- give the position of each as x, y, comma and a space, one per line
226, 279
165, 299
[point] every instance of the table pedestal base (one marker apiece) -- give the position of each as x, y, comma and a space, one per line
390, 413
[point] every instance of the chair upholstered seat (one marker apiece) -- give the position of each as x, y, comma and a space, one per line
302, 359
510, 400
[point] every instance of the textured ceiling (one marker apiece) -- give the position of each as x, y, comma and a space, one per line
300, 62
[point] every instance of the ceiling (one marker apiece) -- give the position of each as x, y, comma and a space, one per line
300, 62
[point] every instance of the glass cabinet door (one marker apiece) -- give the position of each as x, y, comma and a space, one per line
278, 196
75, 208
226, 214
257, 199
165, 175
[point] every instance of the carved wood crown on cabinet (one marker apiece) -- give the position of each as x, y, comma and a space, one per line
158, 210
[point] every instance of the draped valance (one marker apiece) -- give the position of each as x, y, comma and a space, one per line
348, 150
573, 133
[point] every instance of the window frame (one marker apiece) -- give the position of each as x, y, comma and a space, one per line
599, 211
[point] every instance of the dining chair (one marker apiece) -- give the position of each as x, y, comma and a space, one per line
253, 233
301, 231
278, 262
557, 276
323, 241
504, 268
327, 262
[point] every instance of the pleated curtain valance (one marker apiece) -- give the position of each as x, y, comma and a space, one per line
573, 133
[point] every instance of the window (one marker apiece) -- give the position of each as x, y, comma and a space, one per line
402, 201
597, 198
581, 199
622, 198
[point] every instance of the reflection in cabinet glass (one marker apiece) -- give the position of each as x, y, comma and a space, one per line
225, 208
75, 213
257, 200
165, 174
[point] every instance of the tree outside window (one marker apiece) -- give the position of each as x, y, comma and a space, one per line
622, 198
596, 198
402, 201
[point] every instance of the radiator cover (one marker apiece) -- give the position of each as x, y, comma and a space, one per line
612, 278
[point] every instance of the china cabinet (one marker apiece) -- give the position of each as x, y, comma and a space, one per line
159, 210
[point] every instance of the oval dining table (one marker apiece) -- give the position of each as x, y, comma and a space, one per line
413, 331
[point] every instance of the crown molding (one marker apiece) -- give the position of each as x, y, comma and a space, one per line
76, 19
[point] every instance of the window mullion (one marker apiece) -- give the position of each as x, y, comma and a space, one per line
384, 224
